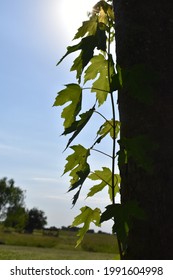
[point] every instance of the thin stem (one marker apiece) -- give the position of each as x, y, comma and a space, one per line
113, 116
114, 133
96, 89
101, 152
101, 116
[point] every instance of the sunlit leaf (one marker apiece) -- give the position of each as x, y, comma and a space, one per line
95, 29
95, 67
77, 66
102, 16
86, 217
108, 128
88, 27
110, 13
99, 70
78, 167
73, 94
102, 4
117, 181
77, 126
105, 176
87, 46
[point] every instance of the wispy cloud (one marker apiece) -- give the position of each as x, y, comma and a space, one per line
6, 149
46, 179
59, 197
90, 201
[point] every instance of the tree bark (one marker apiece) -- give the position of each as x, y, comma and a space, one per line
144, 40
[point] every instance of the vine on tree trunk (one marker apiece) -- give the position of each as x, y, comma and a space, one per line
95, 64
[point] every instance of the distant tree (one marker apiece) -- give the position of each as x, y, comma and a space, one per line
11, 197
16, 218
36, 220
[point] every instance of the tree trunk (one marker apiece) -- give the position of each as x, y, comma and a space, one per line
144, 44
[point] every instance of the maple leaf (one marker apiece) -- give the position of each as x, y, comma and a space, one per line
87, 216
78, 125
72, 93
105, 176
78, 167
108, 128
98, 70
88, 27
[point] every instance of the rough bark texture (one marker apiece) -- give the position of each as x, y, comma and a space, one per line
144, 36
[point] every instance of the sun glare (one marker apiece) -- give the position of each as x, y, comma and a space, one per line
73, 12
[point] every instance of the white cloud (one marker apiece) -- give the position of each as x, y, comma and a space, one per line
46, 179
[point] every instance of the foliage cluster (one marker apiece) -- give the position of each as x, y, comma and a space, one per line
11, 196
94, 64
12, 209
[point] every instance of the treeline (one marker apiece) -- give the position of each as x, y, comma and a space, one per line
75, 229
13, 212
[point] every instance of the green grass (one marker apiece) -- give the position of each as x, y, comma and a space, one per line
100, 243
17, 246
8, 252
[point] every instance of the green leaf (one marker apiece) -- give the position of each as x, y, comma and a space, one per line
78, 167
99, 67
77, 66
95, 67
77, 126
70, 49
88, 27
117, 180
86, 217
116, 211
107, 128
105, 176
103, 16
73, 94
103, 5
123, 216
87, 46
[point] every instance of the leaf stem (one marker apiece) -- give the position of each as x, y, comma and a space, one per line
114, 131
102, 116
96, 89
113, 116
101, 152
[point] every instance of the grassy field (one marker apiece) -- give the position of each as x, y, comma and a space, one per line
18, 246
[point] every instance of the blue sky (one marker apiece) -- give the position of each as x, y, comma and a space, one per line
34, 36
